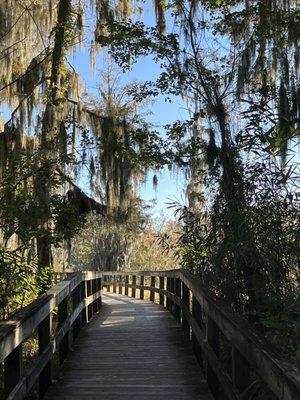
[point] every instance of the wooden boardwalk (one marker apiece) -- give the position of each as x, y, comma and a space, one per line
132, 349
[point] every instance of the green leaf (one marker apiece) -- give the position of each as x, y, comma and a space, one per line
217, 3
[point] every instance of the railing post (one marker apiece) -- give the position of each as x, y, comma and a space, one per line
95, 302
168, 301
240, 370
142, 282
90, 306
126, 284
152, 292
114, 284
106, 282
177, 292
186, 302
83, 294
44, 333
197, 314
75, 303
213, 341
12, 369
110, 281
120, 284
62, 316
172, 290
133, 290
99, 289
162, 286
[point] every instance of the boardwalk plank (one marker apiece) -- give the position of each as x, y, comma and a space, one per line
133, 349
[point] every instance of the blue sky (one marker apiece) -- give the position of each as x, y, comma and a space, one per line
170, 184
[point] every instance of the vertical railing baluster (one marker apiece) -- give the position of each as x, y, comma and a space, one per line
12, 369
142, 283
44, 334
197, 314
133, 290
177, 292
162, 286
83, 294
99, 289
89, 292
95, 302
62, 316
107, 282
152, 292
110, 279
120, 284
75, 303
186, 302
212, 334
172, 290
168, 300
114, 284
240, 370
126, 284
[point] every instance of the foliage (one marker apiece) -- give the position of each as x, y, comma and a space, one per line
18, 286
135, 244
282, 329
104, 243
236, 63
20, 213
147, 251
20, 210
55, 131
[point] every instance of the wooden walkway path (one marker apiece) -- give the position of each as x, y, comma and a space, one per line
133, 349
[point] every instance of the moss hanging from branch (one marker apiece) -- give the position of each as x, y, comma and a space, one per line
22, 23
61, 38
38, 85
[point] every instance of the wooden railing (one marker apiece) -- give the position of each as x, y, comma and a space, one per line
70, 305
212, 329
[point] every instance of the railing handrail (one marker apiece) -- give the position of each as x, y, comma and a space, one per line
246, 340
282, 377
176, 286
84, 289
34, 313
171, 273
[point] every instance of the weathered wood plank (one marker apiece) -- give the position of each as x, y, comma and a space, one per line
21, 325
282, 377
12, 369
44, 332
38, 315
132, 349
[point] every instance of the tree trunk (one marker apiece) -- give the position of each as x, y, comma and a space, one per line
44, 264
233, 188
49, 123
